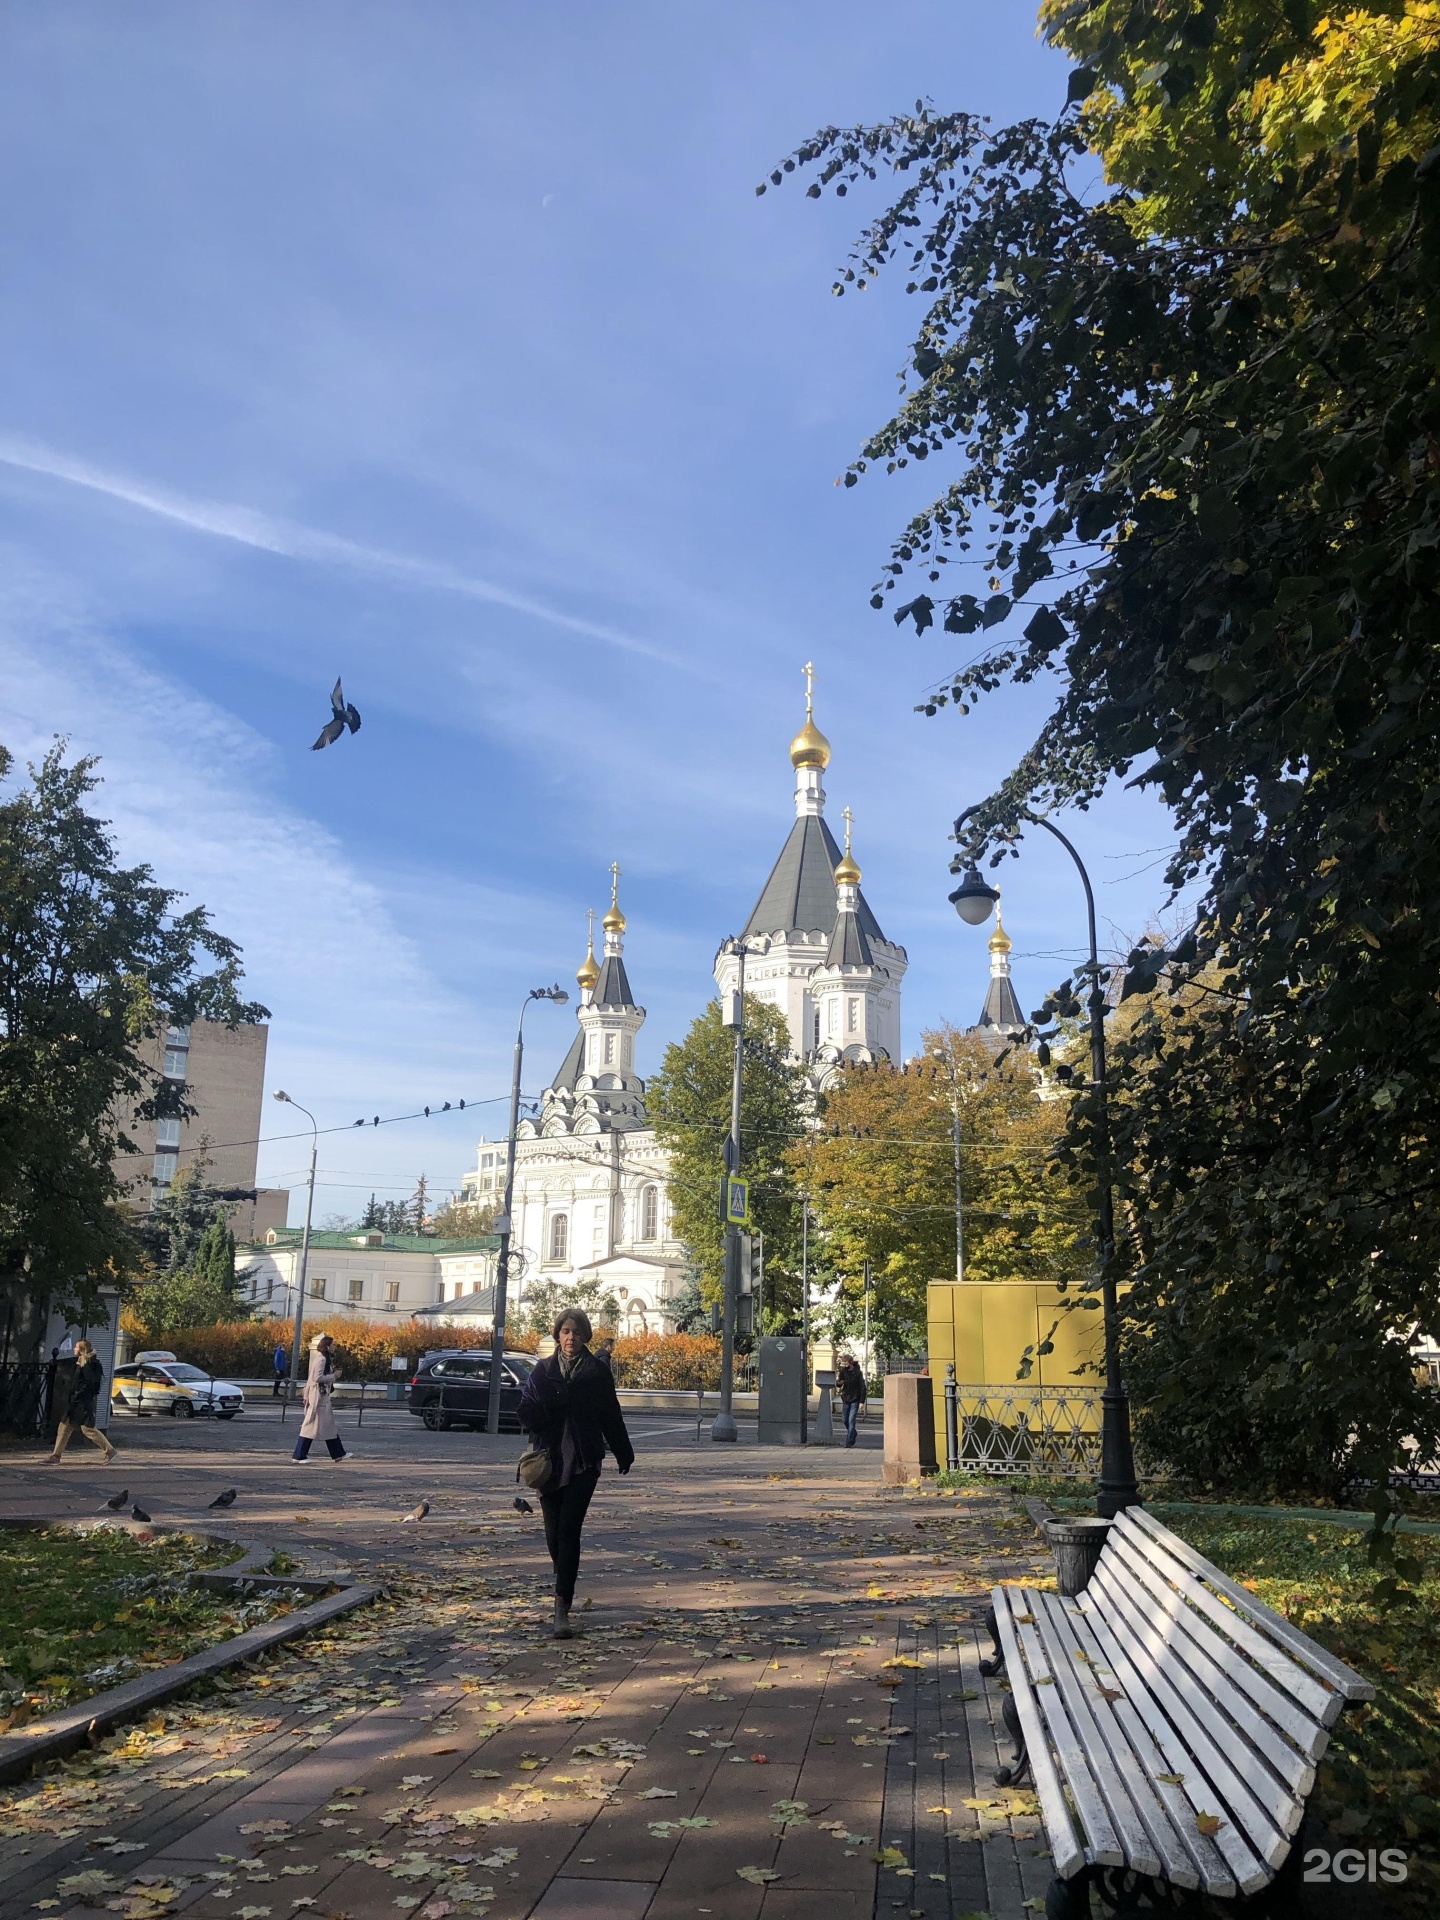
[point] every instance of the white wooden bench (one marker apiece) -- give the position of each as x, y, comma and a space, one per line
1171, 1722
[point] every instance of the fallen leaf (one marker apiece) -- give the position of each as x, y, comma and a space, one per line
761, 1759
1209, 1822
1171, 1779
657, 1793
757, 1876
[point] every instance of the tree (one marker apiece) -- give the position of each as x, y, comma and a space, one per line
192, 1281
689, 1105
1194, 430
94, 961
881, 1173
462, 1220
416, 1216
546, 1300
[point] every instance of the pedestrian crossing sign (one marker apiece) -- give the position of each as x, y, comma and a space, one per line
735, 1201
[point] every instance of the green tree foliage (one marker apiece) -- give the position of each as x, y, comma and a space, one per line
546, 1300
689, 1106
94, 961
1191, 427
881, 1175
192, 1281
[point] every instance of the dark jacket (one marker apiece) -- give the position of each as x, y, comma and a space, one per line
851, 1382
85, 1393
586, 1402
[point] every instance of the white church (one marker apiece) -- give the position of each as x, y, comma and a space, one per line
590, 1200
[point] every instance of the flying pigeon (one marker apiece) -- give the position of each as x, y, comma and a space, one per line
137, 1512
344, 716
523, 1506
416, 1513
226, 1499
115, 1502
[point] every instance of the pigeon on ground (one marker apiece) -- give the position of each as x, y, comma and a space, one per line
115, 1502
137, 1512
523, 1506
227, 1498
416, 1513
344, 716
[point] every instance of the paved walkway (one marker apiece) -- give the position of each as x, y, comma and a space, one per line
774, 1711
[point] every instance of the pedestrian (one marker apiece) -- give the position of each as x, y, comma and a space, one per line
84, 1404
853, 1395
280, 1360
606, 1352
570, 1410
319, 1421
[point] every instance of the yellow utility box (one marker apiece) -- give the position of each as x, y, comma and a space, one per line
984, 1326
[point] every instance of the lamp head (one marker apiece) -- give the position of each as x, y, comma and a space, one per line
974, 898
281, 1096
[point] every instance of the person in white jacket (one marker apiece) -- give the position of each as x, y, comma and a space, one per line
319, 1421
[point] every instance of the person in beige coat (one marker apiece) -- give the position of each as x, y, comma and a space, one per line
83, 1410
319, 1421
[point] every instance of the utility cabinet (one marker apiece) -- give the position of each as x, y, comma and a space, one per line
783, 1392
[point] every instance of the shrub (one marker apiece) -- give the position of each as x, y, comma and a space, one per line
667, 1360
363, 1348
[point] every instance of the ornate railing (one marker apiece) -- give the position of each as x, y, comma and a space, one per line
1022, 1430
26, 1391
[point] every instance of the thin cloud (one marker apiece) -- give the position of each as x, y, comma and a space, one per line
294, 541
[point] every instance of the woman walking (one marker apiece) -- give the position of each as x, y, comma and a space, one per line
319, 1421
84, 1402
570, 1410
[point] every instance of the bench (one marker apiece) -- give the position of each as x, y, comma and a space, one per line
1171, 1722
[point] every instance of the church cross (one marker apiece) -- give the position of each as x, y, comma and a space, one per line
590, 916
847, 816
614, 884
809, 671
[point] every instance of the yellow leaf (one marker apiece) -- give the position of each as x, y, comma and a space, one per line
1209, 1822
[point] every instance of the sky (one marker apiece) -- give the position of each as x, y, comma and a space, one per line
448, 348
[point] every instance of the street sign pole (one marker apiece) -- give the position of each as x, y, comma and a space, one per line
723, 1427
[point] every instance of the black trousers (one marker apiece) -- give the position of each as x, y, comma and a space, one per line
565, 1509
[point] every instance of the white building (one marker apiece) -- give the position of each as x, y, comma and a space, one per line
813, 947
373, 1275
589, 1200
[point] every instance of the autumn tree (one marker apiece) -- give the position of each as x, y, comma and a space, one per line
1176, 368
689, 1106
880, 1169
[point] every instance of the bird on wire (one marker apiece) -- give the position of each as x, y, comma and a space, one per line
416, 1513
523, 1506
343, 715
137, 1512
227, 1498
115, 1502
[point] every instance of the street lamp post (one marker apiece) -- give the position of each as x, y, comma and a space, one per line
723, 1426
295, 1348
559, 996
973, 901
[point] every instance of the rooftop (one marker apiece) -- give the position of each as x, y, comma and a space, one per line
371, 1242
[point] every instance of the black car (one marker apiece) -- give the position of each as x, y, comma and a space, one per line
452, 1389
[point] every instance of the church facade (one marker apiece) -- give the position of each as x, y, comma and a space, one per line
590, 1199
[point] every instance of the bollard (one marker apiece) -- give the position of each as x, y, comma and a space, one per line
360, 1417
952, 1419
1076, 1545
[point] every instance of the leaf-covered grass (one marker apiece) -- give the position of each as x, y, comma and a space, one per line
1380, 1780
83, 1612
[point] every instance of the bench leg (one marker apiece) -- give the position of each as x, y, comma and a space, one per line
1068, 1899
1019, 1766
996, 1663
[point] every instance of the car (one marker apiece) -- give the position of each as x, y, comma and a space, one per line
452, 1389
153, 1383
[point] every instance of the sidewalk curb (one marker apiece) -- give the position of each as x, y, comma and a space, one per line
62, 1733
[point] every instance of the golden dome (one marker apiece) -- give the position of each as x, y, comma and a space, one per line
810, 748
999, 940
847, 870
614, 921
588, 971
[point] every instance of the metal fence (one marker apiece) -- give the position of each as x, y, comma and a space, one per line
1022, 1430
27, 1390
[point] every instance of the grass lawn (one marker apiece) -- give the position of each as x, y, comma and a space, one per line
83, 1612
1380, 1779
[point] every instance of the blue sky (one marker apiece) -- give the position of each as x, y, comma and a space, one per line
448, 346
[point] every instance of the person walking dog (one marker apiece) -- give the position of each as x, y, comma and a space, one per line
319, 1421
851, 1382
84, 1403
280, 1360
572, 1413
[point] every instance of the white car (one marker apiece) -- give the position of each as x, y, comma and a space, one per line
155, 1384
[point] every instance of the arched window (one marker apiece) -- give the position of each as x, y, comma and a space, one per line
559, 1236
650, 1214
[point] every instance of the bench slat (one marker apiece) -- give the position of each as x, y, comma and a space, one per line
1141, 1852
1345, 1679
1128, 1747
1249, 1871
1231, 1679
1265, 1808
1066, 1849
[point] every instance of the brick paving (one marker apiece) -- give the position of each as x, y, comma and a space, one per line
778, 1672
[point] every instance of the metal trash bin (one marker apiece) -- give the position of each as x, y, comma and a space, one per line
1076, 1545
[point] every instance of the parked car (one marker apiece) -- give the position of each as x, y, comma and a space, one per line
159, 1383
452, 1389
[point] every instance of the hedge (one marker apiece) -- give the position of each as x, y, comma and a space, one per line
363, 1348
667, 1360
